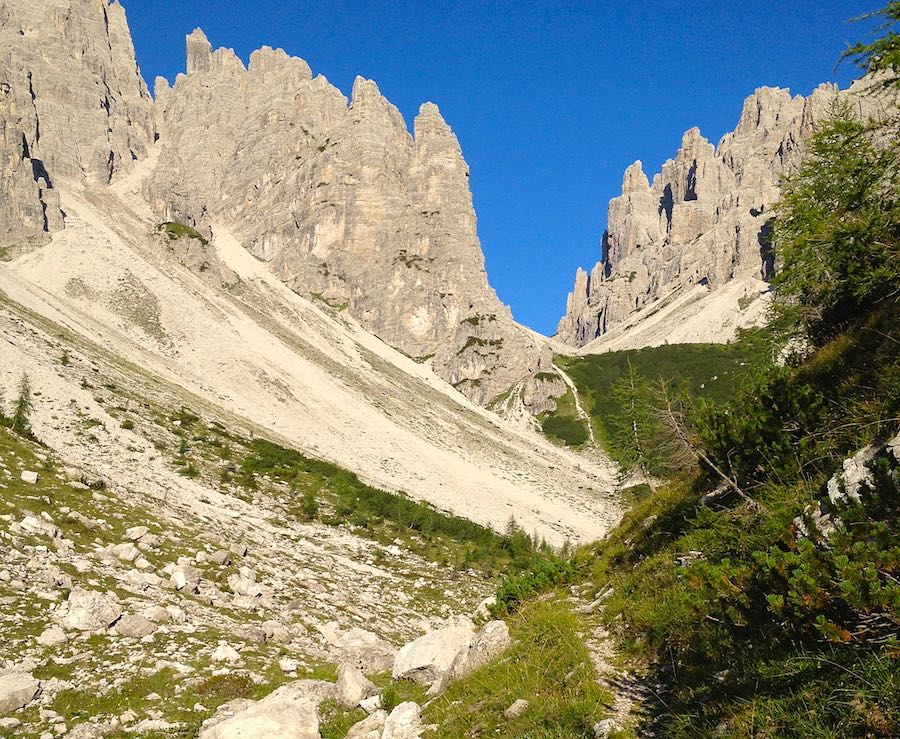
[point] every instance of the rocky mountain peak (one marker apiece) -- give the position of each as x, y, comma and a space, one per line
89, 120
199, 52
635, 180
703, 219
272, 64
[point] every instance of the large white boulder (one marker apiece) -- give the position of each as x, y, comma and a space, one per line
353, 686
370, 727
288, 713
427, 658
364, 650
17, 690
404, 722
488, 644
90, 610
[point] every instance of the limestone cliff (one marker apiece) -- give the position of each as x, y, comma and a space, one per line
72, 104
343, 202
704, 218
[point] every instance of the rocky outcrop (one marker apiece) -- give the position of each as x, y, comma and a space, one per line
704, 218
91, 119
346, 205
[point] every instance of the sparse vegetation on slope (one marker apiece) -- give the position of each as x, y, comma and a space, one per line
711, 371
176, 230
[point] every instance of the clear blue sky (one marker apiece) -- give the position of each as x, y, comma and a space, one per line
550, 100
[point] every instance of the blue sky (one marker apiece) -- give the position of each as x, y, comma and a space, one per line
550, 100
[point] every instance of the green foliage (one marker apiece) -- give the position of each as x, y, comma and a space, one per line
759, 630
571, 431
883, 54
564, 423
837, 234
309, 506
637, 431
620, 389
64, 359
548, 665
176, 230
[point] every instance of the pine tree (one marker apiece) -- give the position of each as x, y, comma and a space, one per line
23, 407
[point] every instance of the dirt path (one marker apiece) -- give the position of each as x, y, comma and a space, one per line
635, 698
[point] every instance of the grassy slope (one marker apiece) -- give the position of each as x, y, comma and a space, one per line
757, 632
710, 371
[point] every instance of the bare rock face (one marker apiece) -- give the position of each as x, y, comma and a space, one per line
705, 217
72, 104
345, 205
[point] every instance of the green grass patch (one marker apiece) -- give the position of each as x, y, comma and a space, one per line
340, 497
176, 230
548, 665
563, 424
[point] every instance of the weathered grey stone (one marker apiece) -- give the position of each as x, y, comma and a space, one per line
370, 727
404, 722
427, 658
17, 690
364, 650
516, 709
89, 610
136, 532
52, 636
186, 577
287, 713
135, 626
353, 686
488, 644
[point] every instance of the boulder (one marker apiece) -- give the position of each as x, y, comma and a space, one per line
516, 709
135, 626
222, 558
404, 722
36, 525
226, 653
52, 636
370, 727
186, 578
127, 552
29, 477
136, 532
242, 585
89, 610
288, 713
17, 690
427, 658
365, 650
488, 644
353, 686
